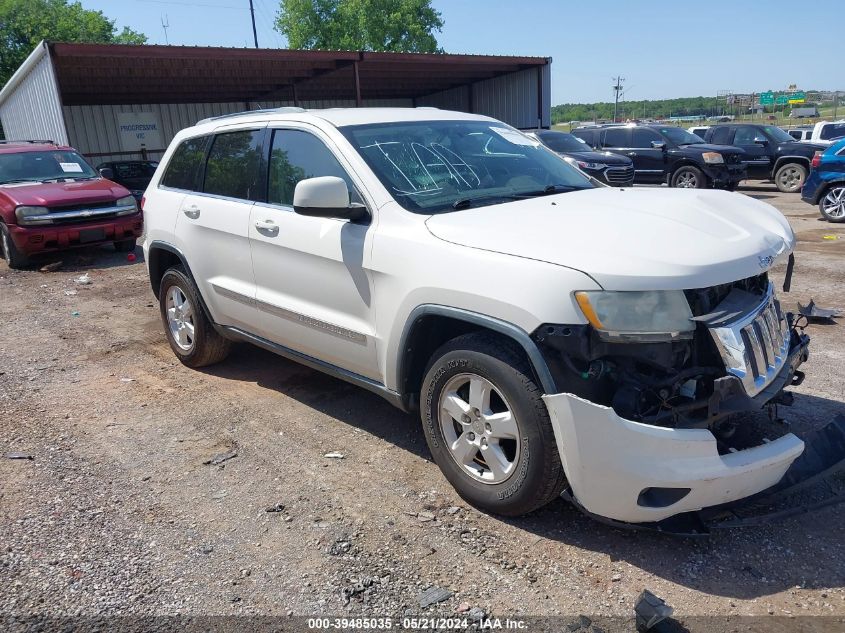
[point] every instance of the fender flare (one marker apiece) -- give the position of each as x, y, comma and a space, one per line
517, 334
166, 246
790, 159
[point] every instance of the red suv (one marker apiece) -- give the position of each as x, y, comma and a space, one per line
52, 199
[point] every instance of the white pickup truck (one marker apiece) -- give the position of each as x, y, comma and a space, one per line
554, 336
826, 132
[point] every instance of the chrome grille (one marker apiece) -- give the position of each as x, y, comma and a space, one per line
755, 344
616, 175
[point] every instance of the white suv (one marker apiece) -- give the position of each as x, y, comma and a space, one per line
555, 337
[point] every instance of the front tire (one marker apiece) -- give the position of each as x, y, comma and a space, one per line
832, 204
689, 177
14, 258
190, 334
789, 178
488, 428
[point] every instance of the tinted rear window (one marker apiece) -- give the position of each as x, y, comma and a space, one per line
185, 165
834, 130
233, 165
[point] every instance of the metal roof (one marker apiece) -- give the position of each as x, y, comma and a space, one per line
89, 74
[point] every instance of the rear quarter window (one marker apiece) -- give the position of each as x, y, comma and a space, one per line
185, 166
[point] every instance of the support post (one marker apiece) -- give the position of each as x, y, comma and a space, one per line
357, 85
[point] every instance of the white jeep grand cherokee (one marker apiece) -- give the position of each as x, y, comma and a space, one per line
554, 336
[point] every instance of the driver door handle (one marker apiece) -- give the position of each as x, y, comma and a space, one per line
267, 226
192, 212
632, 154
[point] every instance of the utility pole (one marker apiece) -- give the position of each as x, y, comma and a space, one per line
617, 89
254, 32
165, 24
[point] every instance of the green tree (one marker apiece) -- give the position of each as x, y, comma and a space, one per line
369, 25
24, 23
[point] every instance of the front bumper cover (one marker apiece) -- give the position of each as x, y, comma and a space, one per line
632, 472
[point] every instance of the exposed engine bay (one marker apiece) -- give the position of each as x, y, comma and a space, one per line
687, 382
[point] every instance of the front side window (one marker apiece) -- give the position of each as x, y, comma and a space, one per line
643, 138
751, 135
233, 166
44, 167
185, 165
680, 136
297, 155
434, 166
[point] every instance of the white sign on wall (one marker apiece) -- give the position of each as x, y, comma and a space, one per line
137, 129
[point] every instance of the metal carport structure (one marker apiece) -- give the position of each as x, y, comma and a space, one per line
97, 97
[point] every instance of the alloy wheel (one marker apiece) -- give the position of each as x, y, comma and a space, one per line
791, 178
834, 203
687, 180
180, 318
480, 428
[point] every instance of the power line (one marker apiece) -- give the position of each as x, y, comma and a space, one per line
617, 89
165, 24
254, 32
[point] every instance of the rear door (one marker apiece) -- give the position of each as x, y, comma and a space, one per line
213, 225
616, 140
759, 151
313, 286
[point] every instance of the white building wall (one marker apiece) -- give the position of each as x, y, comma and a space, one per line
30, 107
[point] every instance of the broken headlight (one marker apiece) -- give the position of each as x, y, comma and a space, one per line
655, 315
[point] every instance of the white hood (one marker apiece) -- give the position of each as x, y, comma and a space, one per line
632, 239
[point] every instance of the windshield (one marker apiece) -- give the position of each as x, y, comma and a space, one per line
778, 134
679, 136
44, 166
563, 142
434, 166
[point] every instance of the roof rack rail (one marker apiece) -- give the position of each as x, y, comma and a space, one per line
28, 140
282, 110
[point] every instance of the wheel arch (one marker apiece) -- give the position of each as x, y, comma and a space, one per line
827, 186
160, 257
429, 326
780, 162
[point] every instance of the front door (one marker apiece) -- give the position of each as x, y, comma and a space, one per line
758, 151
649, 161
313, 290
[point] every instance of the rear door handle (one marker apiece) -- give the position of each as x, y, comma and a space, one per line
267, 226
192, 212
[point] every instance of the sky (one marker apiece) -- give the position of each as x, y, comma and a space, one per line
661, 49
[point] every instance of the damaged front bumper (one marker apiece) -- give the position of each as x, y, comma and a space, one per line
634, 472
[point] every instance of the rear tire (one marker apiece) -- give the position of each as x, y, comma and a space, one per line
499, 450
689, 177
125, 246
14, 258
789, 178
190, 334
832, 204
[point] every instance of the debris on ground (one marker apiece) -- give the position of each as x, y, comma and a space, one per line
425, 516
476, 614
815, 314
83, 280
51, 267
19, 456
71, 293
334, 455
75, 313
221, 457
131, 257
433, 595
278, 507
650, 610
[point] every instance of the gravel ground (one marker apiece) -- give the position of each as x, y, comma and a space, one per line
118, 513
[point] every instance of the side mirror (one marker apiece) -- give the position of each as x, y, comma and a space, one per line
658, 145
326, 197
107, 173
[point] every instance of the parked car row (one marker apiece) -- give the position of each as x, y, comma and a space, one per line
825, 186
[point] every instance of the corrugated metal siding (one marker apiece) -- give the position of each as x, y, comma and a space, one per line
94, 129
510, 98
33, 111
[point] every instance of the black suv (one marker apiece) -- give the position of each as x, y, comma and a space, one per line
663, 153
772, 154
610, 169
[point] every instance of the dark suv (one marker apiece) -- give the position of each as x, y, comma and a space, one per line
663, 153
772, 154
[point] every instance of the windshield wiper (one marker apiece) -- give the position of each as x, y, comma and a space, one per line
16, 180
549, 190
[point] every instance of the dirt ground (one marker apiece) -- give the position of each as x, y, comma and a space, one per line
118, 514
